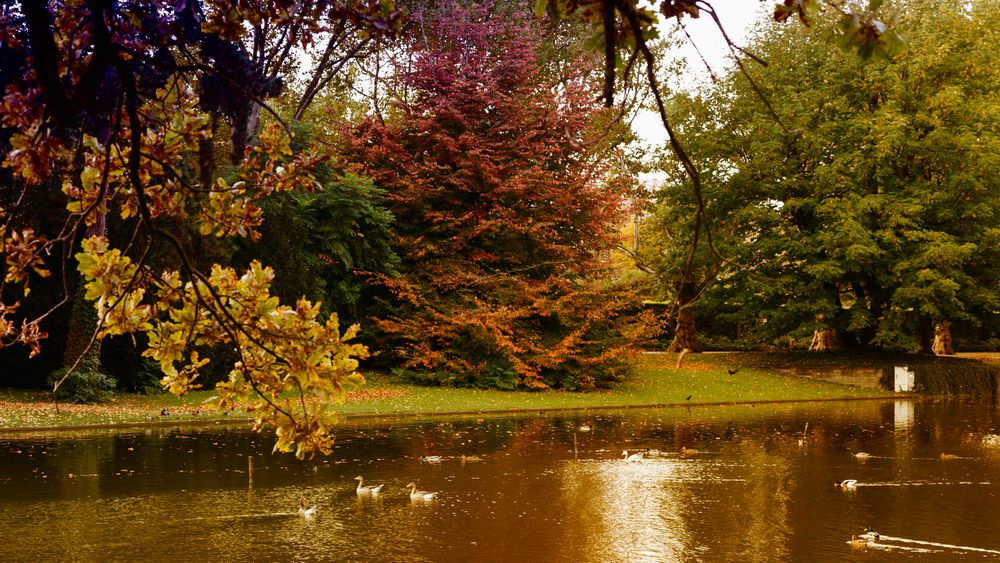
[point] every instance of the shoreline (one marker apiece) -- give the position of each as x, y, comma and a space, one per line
13, 430
705, 380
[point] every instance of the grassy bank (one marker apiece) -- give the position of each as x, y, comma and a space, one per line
704, 378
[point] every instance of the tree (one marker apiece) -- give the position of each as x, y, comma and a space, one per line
105, 108
326, 244
493, 172
872, 182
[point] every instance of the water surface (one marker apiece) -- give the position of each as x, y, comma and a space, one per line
530, 488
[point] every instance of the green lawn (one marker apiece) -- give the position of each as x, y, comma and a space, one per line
703, 377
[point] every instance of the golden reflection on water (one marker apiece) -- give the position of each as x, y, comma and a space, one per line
630, 511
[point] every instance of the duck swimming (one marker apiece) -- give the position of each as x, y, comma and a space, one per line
367, 489
631, 458
306, 512
416, 495
846, 484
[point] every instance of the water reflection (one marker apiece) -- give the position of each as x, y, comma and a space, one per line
533, 488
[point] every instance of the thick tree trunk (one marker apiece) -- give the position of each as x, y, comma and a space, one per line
82, 323
824, 337
80, 354
245, 128
942, 340
686, 334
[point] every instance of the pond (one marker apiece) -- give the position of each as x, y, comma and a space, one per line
531, 487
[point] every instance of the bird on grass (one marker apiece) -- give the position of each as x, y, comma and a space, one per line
733, 371
688, 398
367, 489
306, 511
418, 496
632, 458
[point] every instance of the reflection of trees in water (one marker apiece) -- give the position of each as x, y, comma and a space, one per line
769, 481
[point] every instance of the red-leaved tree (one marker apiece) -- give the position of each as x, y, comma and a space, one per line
494, 170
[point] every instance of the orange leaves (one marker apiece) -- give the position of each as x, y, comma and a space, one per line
21, 255
20, 249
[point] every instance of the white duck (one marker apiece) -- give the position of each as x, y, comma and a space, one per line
631, 458
307, 512
367, 489
846, 484
416, 495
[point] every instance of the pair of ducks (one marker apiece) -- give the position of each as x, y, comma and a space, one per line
309, 512
373, 490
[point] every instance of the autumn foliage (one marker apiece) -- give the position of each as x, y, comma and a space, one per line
493, 169
104, 111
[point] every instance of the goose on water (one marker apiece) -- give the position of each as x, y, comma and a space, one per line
367, 489
871, 535
846, 484
862, 455
416, 495
305, 511
634, 457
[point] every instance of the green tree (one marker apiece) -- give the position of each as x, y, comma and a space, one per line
867, 191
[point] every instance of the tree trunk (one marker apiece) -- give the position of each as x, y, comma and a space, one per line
79, 352
245, 126
824, 337
686, 335
942, 340
82, 323
926, 334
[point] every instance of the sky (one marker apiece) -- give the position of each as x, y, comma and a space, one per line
738, 18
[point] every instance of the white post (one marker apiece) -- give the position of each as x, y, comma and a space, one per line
903, 379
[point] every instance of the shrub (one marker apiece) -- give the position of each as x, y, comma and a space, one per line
85, 386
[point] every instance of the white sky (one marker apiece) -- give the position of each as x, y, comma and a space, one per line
738, 18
